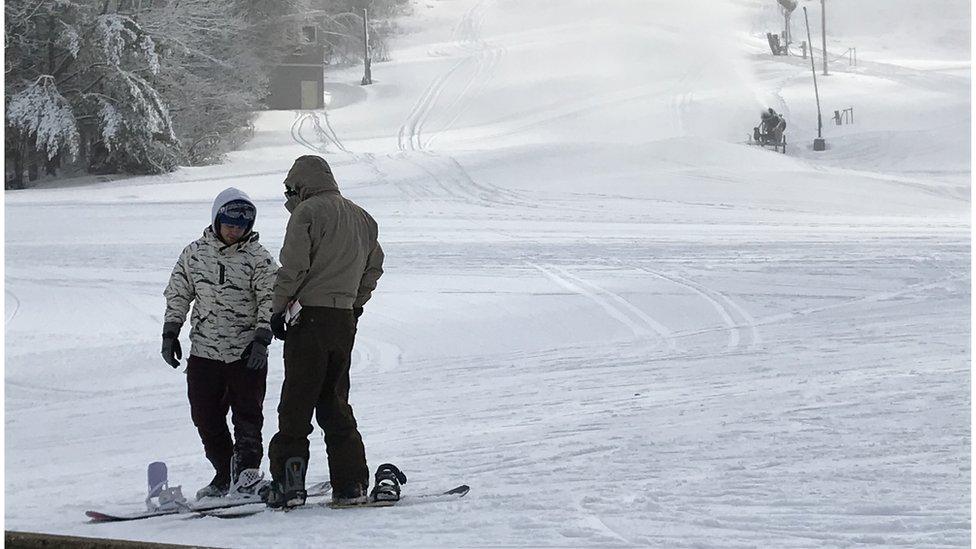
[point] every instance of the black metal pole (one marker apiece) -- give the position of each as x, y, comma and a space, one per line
823, 29
816, 90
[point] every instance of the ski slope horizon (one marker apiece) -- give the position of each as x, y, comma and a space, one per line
616, 321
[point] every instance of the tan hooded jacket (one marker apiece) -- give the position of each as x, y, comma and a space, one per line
330, 256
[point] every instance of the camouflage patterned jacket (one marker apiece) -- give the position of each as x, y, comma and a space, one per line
231, 288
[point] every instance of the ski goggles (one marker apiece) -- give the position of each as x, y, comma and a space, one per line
242, 212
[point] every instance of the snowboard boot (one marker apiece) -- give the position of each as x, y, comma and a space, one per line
388, 479
276, 496
289, 492
216, 489
347, 497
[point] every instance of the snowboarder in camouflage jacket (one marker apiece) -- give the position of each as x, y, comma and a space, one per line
229, 277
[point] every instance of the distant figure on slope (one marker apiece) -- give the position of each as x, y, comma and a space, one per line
759, 132
778, 126
229, 277
330, 264
770, 129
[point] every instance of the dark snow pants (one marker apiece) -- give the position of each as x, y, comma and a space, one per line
215, 387
318, 353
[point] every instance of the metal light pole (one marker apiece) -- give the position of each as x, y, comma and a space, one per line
367, 72
823, 30
818, 144
788, 6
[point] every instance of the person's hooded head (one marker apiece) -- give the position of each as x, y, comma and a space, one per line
233, 215
308, 176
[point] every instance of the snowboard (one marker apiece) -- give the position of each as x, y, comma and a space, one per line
163, 500
407, 499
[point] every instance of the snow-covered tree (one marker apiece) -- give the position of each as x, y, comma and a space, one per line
42, 115
213, 78
144, 85
126, 112
340, 24
79, 79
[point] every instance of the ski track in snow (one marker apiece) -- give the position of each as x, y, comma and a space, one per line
640, 323
473, 51
325, 135
725, 307
16, 307
375, 355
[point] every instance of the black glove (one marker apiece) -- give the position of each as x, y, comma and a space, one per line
278, 325
256, 353
357, 312
172, 352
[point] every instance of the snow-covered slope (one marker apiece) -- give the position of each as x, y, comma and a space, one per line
616, 321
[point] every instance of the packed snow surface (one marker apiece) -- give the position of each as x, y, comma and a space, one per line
603, 310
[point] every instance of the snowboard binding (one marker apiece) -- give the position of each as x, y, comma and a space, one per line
245, 483
388, 479
249, 484
291, 491
160, 496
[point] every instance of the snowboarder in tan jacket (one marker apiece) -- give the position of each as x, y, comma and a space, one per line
330, 263
228, 276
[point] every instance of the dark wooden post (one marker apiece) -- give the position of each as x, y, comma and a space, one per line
367, 71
